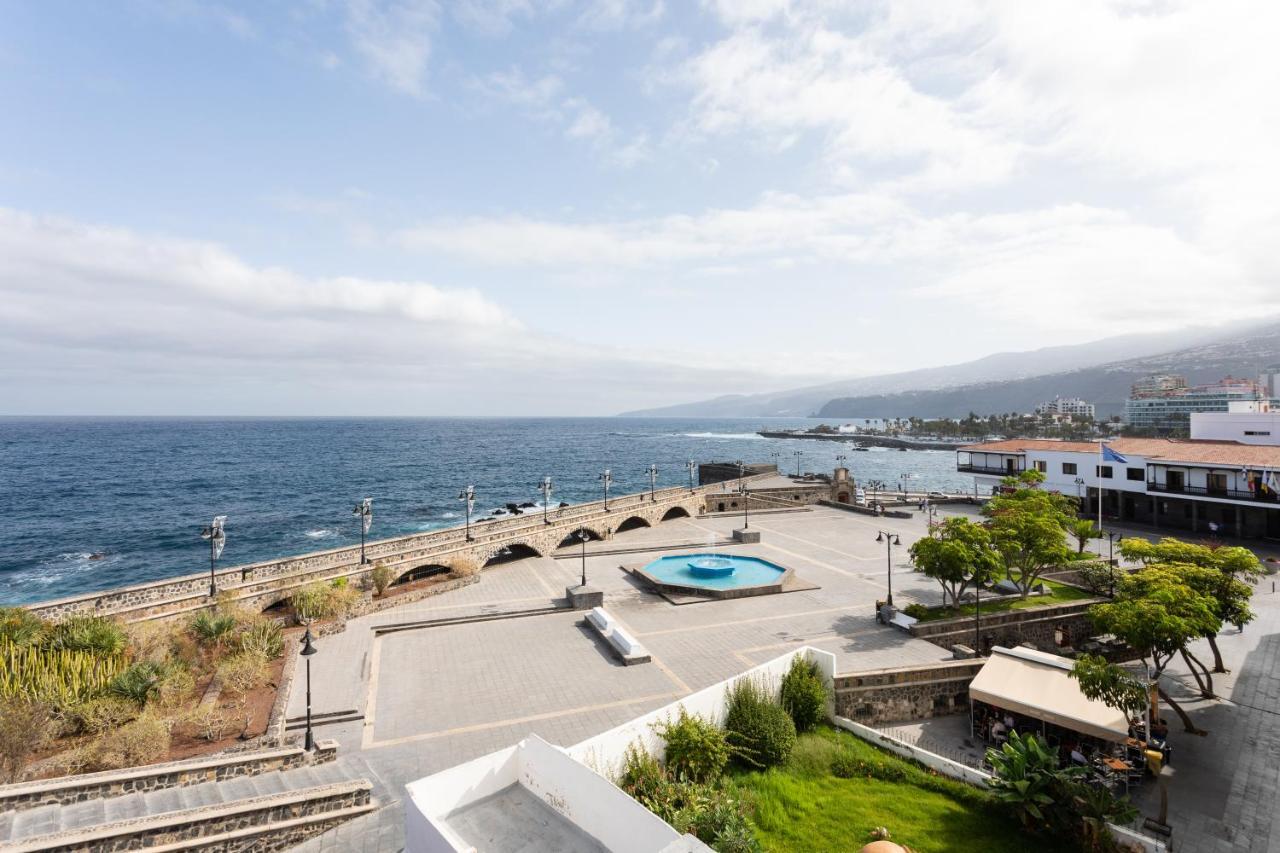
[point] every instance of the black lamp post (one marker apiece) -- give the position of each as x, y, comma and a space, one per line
798, 455
742, 490
776, 455
605, 479
468, 495
308, 650
364, 512
889, 540
842, 461
690, 465
652, 471
1111, 559
545, 485
875, 486
217, 535
583, 536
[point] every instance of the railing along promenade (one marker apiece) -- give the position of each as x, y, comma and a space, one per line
262, 584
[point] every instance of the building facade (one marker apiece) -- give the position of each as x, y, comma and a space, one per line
1248, 422
1207, 487
1072, 406
1161, 405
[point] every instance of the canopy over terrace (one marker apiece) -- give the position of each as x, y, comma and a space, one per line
1038, 685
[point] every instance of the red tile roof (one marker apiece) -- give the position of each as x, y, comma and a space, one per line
1199, 451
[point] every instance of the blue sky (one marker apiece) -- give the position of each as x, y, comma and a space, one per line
509, 206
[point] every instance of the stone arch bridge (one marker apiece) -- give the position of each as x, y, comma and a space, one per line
260, 585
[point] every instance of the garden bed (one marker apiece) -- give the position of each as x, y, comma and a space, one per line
1059, 593
804, 806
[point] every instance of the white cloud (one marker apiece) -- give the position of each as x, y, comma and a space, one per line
394, 39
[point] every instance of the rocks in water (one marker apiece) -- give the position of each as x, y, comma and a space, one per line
528, 505
563, 504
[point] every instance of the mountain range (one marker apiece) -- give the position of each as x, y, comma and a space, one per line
1100, 372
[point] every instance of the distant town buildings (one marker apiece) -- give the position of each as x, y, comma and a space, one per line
1066, 407
1165, 403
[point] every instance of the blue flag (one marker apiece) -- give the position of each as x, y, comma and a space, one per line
1109, 455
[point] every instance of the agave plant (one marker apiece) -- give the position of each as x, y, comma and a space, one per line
262, 637
212, 628
141, 682
20, 626
89, 634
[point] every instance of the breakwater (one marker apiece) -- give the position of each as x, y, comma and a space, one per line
889, 441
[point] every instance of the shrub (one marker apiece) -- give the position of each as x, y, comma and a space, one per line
804, 694
697, 750
139, 682
262, 637
381, 576
916, 610
1097, 577
211, 722
20, 626
323, 601
25, 728
212, 630
143, 741
846, 765
174, 689
705, 810
243, 673
97, 715
762, 734
643, 777
96, 634
463, 567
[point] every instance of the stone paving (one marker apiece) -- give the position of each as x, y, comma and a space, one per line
438, 696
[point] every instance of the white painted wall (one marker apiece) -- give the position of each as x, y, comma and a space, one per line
1236, 426
431, 798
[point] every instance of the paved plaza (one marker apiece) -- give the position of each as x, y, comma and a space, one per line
436, 696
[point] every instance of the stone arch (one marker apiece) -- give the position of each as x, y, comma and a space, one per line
676, 512
631, 523
419, 572
510, 552
572, 537
276, 605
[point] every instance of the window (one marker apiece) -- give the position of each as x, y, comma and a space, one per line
1138, 474
1068, 467
1104, 471
1042, 466
1257, 432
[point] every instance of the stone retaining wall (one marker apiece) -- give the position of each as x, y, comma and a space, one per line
274, 822
154, 777
906, 693
1047, 628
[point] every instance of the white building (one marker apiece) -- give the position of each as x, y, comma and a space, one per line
1247, 421
1182, 484
1067, 406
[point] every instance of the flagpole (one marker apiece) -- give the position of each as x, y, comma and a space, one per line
1099, 478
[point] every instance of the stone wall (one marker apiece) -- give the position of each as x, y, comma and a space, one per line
1049, 628
260, 585
175, 774
906, 693
274, 822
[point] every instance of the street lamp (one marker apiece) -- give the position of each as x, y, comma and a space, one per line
308, 650
775, 455
875, 486
545, 486
652, 471
842, 461
606, 478
364, 512
742, 490
468, 495
1111, 558
690, 465
217, 535
583, 536
798, 455
889, 540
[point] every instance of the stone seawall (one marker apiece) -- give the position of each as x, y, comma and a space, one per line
259, 585
906, 693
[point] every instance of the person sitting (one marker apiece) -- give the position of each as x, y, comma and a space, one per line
1160, 731
1077, 756
998, 732
1008, 722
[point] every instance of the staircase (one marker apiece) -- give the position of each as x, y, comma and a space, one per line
282, 808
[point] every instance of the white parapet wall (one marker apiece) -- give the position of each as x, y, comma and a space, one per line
606, 752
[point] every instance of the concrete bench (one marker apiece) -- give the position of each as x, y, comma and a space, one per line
627, 647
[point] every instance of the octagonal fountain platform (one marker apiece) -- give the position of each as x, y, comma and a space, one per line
713, 576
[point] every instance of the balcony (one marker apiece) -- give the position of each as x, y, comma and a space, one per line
1223, 494
965, 468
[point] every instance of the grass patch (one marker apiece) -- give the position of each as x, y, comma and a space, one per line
803, 806
1059, 593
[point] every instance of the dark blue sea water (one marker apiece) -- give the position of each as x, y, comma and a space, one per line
137, 491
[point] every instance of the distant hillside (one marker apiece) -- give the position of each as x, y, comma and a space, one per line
1106, 386
801, 402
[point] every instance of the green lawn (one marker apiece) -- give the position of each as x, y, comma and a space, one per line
1061, 594
802, 806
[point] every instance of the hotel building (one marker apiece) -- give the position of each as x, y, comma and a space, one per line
1165, 404
1180, 484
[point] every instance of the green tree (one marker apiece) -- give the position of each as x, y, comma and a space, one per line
962, 553
1026, 525
1157, 614
1110, 684
1231, 587
1083, 529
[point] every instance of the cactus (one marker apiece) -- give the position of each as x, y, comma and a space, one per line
60, 677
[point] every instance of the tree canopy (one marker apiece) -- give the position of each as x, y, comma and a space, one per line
961, 553
1027, 526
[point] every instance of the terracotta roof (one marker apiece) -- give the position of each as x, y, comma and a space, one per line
1225, 453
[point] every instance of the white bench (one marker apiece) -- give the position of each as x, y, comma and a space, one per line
627, 647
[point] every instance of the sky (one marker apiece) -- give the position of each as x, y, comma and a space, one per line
512, 207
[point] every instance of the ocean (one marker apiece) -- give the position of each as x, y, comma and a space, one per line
95, 503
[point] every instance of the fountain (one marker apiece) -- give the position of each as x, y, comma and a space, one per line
711, 567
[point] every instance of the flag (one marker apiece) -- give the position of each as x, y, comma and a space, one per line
1109, 455
1273, 483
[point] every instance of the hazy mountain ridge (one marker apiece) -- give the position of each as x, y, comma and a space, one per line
1106, 385
998, 367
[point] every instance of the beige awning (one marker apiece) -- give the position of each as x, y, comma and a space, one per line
1037, 685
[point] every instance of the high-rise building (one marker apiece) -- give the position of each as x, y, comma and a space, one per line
1270, 380
1066, 406
1164, 404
